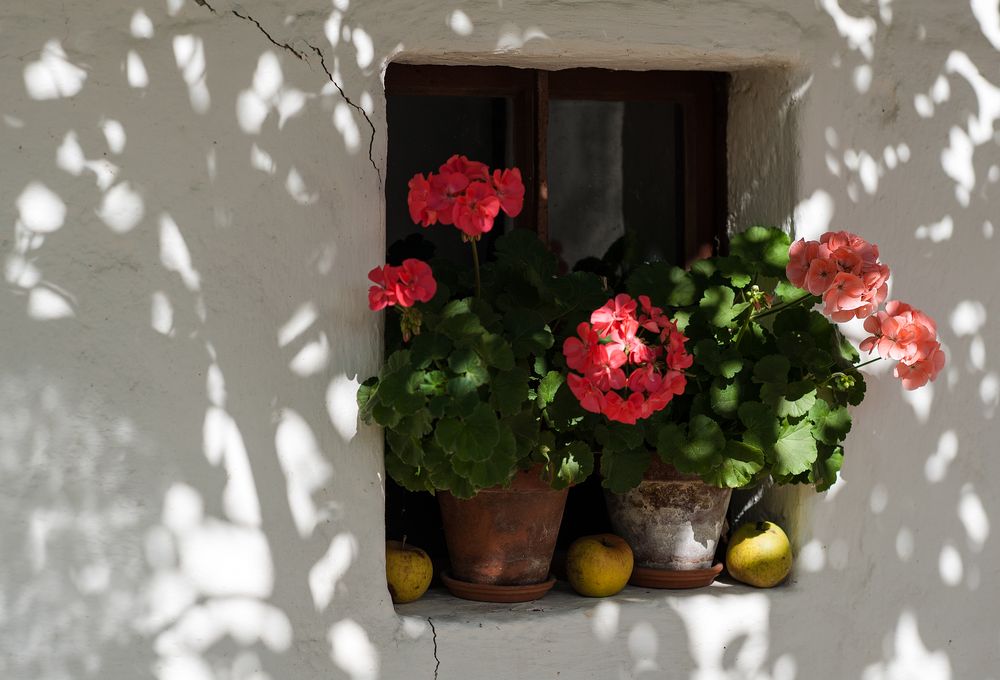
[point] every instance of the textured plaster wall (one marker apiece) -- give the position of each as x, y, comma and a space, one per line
190, 197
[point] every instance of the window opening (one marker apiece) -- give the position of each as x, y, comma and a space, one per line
633, 161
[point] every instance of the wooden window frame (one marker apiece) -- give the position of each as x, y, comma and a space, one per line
701, 96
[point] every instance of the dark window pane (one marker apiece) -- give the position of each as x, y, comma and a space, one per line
615, 168
423, 133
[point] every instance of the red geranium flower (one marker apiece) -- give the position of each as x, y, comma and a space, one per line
476, 209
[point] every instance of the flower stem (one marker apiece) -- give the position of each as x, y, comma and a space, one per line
775, 310
870, 361
475, 266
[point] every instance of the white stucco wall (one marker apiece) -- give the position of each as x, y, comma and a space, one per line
187, 214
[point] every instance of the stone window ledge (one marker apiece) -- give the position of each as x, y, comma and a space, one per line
638, 633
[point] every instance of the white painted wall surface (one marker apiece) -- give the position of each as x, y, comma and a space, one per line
187, 214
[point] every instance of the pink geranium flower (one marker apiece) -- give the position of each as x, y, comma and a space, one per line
921, 372
800, 257
844, 296
820, 275
632, 359
817, 265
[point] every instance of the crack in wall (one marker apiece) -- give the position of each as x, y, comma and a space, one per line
371, 140
322, 61
247, 17
437, 661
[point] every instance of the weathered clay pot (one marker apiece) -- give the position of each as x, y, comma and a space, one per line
503, 536
671, 520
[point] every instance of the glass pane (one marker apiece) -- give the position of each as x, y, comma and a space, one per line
614, 169
423, 133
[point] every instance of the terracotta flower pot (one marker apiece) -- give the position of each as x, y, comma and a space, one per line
671, 520
503, 536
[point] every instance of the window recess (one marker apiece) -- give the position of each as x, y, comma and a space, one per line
626, 158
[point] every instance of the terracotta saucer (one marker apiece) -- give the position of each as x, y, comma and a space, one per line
483, 592
674, 578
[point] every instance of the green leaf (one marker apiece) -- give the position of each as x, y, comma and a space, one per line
736, 270
385, 415
522, 251
726, 363
826, 467
704, 445
725, 397
400, 391
717, 302
509, 390
790, 401
540, 366
428, 347
740, 464
495, 351
670, 440
564, 411
817, 360
575, 296
665, 285
367, 392
471, 371
494, 470
795, 450
405, 447
549, 385
623, 470
416, 425
574, 463
761, 423
528, 332
526, 429
619, 437
407, 476
765, 247
471, 438
830, 426
703, 269
771, 369
434, 383
786, 292
459, 323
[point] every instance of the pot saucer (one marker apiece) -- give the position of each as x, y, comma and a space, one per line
646, 577
484, 592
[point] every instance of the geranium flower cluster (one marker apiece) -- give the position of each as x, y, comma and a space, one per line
629, 360
909, 336
411, 282
463, 193
844, 269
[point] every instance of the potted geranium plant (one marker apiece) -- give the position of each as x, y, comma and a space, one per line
465, 391
767, 393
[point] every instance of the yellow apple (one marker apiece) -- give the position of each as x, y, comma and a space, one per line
759, 554
408, 571
599, 565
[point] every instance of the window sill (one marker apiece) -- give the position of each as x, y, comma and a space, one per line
562, 602
636, 632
